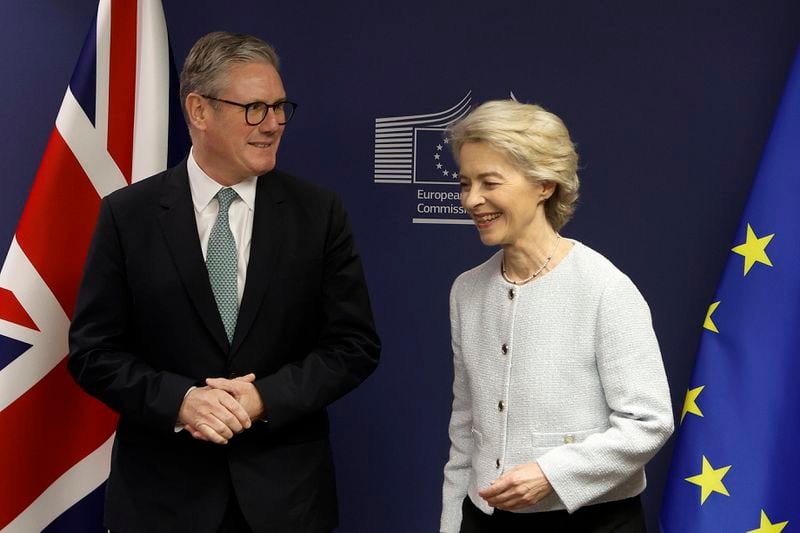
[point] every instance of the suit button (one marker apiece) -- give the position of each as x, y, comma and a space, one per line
511, 294
504, 349
501, 406
569, 439
497, 463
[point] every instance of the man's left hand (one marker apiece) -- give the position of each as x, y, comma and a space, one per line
243, 390
520, 487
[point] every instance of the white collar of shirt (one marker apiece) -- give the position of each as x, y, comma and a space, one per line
240, 215
204, 188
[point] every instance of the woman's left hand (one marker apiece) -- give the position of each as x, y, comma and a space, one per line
520, 487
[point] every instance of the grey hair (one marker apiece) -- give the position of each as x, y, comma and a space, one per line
536, 142
213, 54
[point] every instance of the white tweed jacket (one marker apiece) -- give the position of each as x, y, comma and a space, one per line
565, 371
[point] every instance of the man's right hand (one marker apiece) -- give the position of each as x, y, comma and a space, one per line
212, 415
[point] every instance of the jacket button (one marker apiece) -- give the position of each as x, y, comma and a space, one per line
569, 439
504, 349
497, 463
501, 405
511, 294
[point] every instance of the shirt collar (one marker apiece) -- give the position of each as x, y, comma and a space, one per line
204, 188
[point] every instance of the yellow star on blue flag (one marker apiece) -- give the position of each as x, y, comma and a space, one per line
766, 526
710, 480
690, 403
754, 249
709, 322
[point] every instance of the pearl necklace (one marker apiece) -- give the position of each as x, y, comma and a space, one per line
539, 271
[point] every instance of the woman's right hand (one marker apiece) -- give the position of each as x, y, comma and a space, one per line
521, 487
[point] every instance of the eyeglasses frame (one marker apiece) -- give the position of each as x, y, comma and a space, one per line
247, 108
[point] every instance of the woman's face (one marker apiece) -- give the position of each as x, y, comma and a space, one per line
504, 204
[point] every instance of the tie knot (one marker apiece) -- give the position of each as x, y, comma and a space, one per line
225, 197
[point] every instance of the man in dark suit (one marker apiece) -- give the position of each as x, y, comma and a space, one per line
223, 307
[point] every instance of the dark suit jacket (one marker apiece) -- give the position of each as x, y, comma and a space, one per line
146, 328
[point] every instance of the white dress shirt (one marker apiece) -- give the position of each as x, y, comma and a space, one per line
240, 219
240, 214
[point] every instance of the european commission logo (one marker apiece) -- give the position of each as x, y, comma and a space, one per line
413, 149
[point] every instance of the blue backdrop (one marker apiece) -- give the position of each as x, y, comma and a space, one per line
670, 106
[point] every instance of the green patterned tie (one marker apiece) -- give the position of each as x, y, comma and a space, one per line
221, 260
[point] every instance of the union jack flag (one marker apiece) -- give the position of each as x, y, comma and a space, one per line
119, 122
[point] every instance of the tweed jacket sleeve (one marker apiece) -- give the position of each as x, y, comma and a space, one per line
633, 379
458, 467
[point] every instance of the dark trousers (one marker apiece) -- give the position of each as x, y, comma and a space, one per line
622, 516
233, 521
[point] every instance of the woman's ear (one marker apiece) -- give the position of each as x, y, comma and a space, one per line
548, 190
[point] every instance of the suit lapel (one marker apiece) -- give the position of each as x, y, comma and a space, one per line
179, 226
265, 247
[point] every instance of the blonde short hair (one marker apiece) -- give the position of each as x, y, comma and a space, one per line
536, 142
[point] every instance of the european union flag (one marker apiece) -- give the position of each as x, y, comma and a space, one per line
736, 466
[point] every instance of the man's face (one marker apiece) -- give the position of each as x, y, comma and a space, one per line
231, 150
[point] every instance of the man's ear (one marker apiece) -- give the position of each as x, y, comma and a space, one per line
197, 110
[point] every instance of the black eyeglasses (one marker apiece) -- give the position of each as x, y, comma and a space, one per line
256, 112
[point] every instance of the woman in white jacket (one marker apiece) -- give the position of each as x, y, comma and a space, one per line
559, 396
